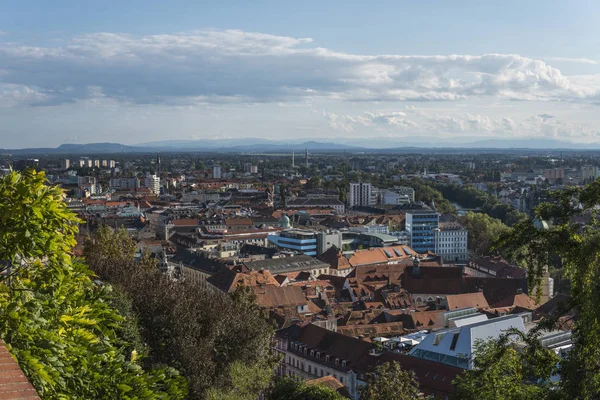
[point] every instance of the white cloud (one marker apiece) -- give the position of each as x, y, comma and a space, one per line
417, 121
209, 66
573, 60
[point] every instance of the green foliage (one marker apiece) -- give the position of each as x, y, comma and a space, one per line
41, 226
288, 388
426, 193
200, 332
483, 230
577, 247
55, 320
390, 382
244, 383
500, 372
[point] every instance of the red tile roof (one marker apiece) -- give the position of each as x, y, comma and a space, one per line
331, 383
518, 300
466, 300
13, 383
335, 258
185, 222
274, 296
380, 255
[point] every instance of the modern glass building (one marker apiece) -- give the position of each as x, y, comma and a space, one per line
422, 226
303, 241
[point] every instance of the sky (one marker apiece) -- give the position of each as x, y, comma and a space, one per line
455, 72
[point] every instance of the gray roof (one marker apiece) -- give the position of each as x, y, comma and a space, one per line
287, 264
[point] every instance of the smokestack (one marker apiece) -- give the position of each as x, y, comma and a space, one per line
307, 157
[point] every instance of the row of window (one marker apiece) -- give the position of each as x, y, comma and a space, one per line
317, 354
313, 371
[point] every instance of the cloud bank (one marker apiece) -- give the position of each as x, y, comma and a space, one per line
232, 66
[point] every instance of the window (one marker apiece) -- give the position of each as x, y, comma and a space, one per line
327, 358
337, 361
454, 340
344, 363
312, 353
438, 338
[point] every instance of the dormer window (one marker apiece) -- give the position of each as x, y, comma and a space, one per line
305, 351
318, 355
312, 353
337, 361
327, 358
344, 363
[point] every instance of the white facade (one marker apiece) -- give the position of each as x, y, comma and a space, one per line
216, 174
391, 197
124, 183
455, 346
152, 182
451, 244
300, 362
359, 194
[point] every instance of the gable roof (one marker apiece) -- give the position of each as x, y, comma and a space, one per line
520, 300
335, 258
275, 296
287, 264
433, 280
330, 382
381, 255
466, 300
228, 281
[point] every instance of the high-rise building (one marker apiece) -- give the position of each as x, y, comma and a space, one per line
90, 163
104, 163
152, 182
293, 165
82, 162
359, 194
216, 172
422, 226
111, 164
66, 164
96, 163
125, 183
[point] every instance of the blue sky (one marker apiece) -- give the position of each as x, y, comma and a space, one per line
138, 71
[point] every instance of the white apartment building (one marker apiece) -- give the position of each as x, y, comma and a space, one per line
359, 194
216, 174
451, 241
152, 182
392, 197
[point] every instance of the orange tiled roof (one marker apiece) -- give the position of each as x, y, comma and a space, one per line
380, 255
519, 300
185, 222
466, 300
274, 296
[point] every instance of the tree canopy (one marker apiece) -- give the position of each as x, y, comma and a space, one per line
288, 388
390, 382
202, 333
57, 322
571, 231
482, 231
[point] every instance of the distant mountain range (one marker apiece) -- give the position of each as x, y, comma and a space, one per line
254, 145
